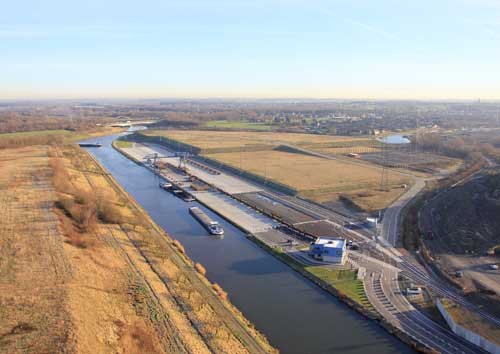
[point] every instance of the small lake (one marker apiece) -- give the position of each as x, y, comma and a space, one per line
396, 139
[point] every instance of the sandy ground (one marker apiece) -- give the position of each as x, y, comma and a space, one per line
475, 269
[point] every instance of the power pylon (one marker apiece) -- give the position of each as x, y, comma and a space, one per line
384, 178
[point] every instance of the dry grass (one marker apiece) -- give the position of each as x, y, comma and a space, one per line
305, 172
33, 266
472, 321
319, 179
225, 139
218, 289
348, 150
200, 269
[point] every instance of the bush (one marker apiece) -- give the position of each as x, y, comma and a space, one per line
222, 294
200, 269
109, 213
179, 247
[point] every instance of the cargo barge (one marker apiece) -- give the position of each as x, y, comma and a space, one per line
166, 185
95, 145
212, 226
177, 191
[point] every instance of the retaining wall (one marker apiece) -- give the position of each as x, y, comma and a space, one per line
467, 334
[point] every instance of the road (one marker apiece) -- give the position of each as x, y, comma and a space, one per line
383, 291
389, 228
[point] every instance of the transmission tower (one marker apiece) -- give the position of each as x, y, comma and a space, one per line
183, 160
384, 178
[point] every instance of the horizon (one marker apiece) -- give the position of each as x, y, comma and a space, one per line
445, 50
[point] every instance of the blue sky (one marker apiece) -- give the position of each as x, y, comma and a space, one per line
273, 48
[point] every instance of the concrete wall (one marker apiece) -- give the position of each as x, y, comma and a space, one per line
467, 334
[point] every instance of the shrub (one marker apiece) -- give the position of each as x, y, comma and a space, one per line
217, 288
200, 269
109, 213
179, 247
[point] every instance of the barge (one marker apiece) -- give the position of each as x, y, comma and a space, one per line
166, 185
212, 226
177, 191
95, 145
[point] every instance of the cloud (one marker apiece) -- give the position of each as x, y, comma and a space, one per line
374, 30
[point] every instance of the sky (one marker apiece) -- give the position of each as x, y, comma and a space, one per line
274, 48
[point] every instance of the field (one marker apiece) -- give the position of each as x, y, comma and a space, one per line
347, 150
237, 125
36, 133
345, 281
84, 269
319, 179
51, 137
123, 144
223, 139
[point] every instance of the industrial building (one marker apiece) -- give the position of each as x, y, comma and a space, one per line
329, 249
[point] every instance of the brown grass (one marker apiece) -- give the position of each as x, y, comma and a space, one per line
218, 289
320, 179
179, 246
33, 266
200, 269
225, 139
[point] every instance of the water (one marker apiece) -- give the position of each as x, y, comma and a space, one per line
396, 139
294, 314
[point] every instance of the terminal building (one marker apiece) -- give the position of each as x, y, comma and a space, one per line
329, 249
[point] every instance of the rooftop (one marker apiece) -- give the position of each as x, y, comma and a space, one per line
330, 242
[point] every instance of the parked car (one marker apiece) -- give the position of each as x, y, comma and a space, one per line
413, 291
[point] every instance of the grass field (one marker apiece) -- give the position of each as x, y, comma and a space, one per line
36, 133
45, 137
319, 179
237, 125
123, 144
345, 281
225, 139
348, 150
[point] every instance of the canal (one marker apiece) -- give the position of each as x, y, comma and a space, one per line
294, 314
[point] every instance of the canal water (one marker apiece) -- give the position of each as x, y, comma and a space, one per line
294, 314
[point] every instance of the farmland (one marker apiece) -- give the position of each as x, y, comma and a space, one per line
84, 269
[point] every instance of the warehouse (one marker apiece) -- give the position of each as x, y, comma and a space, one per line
329, 249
